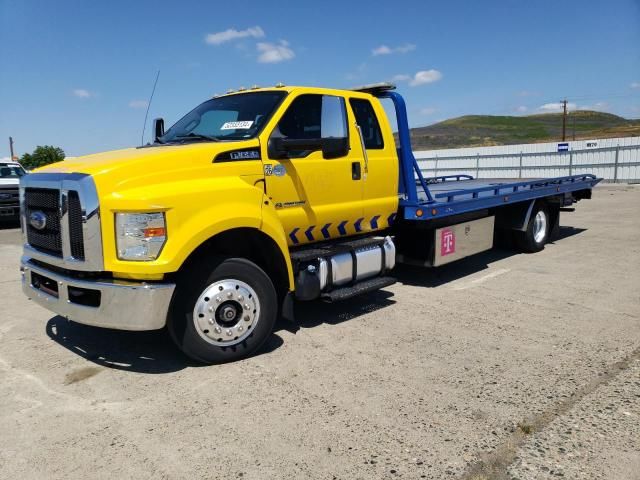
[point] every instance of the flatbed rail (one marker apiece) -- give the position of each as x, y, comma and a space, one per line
507, 188
496, 193
446, 178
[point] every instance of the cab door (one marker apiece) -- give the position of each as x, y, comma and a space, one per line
311, 175
380, 181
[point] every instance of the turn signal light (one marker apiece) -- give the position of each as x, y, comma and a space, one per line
155, 232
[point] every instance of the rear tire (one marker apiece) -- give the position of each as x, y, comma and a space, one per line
534, 238
223, 311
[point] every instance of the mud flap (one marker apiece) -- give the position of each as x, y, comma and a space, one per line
288, 308
554, 231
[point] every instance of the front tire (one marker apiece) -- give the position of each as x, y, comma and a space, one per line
534, 238
223, 311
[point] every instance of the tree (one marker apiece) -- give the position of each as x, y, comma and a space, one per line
41, 156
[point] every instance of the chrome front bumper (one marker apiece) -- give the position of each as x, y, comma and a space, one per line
121, 305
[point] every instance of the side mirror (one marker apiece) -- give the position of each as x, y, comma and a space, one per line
158, 128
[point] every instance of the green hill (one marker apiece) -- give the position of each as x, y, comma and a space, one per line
486, 130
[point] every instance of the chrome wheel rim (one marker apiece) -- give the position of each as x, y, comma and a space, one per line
226, 312
540, 227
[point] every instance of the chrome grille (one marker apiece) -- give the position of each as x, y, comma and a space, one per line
75, 226
71, 237
47, 201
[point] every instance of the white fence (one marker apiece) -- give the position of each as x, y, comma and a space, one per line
614, 159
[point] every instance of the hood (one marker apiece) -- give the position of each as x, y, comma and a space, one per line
128, 158
133, 167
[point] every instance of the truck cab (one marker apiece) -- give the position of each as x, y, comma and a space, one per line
10, 174
252, 200
331, 168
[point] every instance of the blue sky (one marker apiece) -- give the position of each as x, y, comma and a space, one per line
77, 74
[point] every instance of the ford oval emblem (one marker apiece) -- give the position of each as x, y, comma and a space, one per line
38, 220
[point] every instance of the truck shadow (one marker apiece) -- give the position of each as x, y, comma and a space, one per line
154, 353
566, 232
312, 314
434, 277
150, 352
9, 224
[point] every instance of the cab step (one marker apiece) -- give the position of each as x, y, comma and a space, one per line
365, 286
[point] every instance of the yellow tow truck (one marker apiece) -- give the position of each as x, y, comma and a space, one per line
252, 200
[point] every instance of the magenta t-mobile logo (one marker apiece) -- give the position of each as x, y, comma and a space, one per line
447, 242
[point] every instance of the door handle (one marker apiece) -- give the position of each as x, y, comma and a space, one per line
356, 172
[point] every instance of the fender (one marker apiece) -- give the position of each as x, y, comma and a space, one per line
272, 226
195, 211
516, 216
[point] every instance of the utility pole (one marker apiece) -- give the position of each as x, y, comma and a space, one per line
564, 119
11, 148
573, 117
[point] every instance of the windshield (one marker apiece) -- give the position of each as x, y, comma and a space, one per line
11, 171
233, 117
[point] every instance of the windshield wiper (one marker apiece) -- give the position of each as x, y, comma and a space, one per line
198, 136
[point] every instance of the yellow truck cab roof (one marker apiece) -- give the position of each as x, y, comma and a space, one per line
300, 89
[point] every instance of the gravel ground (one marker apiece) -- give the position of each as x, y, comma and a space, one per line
500, 366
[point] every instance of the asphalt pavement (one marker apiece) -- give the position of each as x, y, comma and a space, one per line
499, 366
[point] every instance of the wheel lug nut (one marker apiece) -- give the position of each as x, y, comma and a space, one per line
240, 328
211, 322
211, 309
218, 299
229, 294
247, 318
217, 329
240, 298
229, 332
246, 306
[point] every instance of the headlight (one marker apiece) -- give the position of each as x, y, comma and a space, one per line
140, 236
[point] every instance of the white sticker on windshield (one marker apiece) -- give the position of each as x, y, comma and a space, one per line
237, 125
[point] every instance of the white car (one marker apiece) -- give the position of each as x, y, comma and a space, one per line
10, 173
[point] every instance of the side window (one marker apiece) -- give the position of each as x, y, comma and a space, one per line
312, 123
368, 122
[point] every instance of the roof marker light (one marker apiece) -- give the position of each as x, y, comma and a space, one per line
375, 87
279, 85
